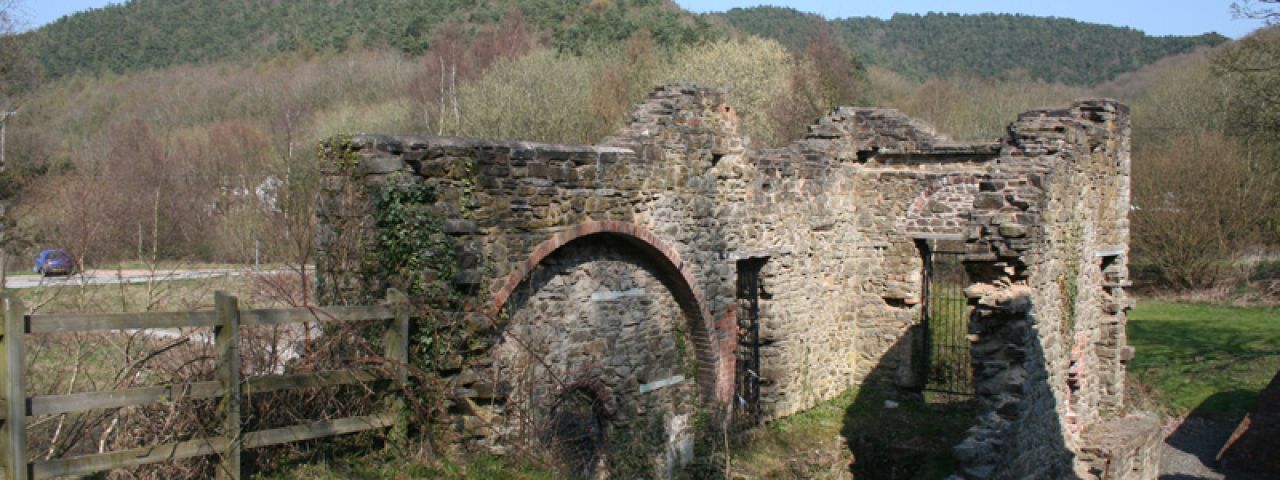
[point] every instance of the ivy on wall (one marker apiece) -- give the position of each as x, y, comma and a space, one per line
414, 255
413, 252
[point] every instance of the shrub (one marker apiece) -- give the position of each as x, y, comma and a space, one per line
1198, 200
753, 70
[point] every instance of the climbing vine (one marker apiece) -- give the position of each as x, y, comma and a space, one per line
413, 252
337, 156
414, 255
339, 153
1068, 280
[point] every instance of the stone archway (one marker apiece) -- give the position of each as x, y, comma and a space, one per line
941, 210
605, 309
674, 272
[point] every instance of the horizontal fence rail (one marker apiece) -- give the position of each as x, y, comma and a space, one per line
230, 387
63, 323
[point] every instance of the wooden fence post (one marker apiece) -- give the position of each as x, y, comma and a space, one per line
14, 431
396, 344
227, 344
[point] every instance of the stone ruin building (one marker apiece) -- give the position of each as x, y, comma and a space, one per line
671, 271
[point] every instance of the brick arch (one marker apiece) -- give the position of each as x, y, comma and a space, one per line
674, 271
918, 220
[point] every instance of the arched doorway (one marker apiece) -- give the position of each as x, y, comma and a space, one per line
603, 353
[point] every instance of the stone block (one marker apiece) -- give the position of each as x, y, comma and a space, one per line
988, 201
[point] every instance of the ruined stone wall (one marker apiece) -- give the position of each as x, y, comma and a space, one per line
623, 259
1048, 255
845, 281
595, 323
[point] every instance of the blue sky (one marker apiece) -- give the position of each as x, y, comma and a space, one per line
1156, 17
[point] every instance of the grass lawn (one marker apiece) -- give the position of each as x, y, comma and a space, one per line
1208, 358
912, 441
389, 465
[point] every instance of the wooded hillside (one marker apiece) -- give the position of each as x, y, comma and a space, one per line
144, 34
941, 45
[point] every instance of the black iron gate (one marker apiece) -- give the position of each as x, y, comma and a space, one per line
750, 292
945, 320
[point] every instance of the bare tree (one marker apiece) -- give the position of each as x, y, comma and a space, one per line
1257, 9
1199, 201
825, 75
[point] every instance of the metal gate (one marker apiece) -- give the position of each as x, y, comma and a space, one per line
945, 319
750, 292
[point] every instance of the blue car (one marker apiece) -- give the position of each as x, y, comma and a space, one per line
55, 261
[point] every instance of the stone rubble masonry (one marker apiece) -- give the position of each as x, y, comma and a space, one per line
1047, 255
657, 218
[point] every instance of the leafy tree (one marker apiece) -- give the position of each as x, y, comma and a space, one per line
754, 71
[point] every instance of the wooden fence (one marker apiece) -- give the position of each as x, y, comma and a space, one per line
230, 386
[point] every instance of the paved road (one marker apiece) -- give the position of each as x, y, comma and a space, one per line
111, 277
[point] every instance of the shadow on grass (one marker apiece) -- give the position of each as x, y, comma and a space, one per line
1011, 429
910, 438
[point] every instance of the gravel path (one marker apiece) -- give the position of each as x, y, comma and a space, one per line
1190, 450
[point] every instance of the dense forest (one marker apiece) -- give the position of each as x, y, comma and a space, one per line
158, 33
186, 129
942, 45
145, 34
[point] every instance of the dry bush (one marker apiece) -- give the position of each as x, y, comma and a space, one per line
206, 137
539, 97
69, 363
886, 87
1129, 86
980, 109
1185, 99
824, 76
456, 58
754, 71
1199, 200
1249, 66
625, 81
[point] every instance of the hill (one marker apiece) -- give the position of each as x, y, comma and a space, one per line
145, 34
1055, 50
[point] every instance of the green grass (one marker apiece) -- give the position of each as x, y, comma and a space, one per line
388, 465
912, 441
1208, 358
